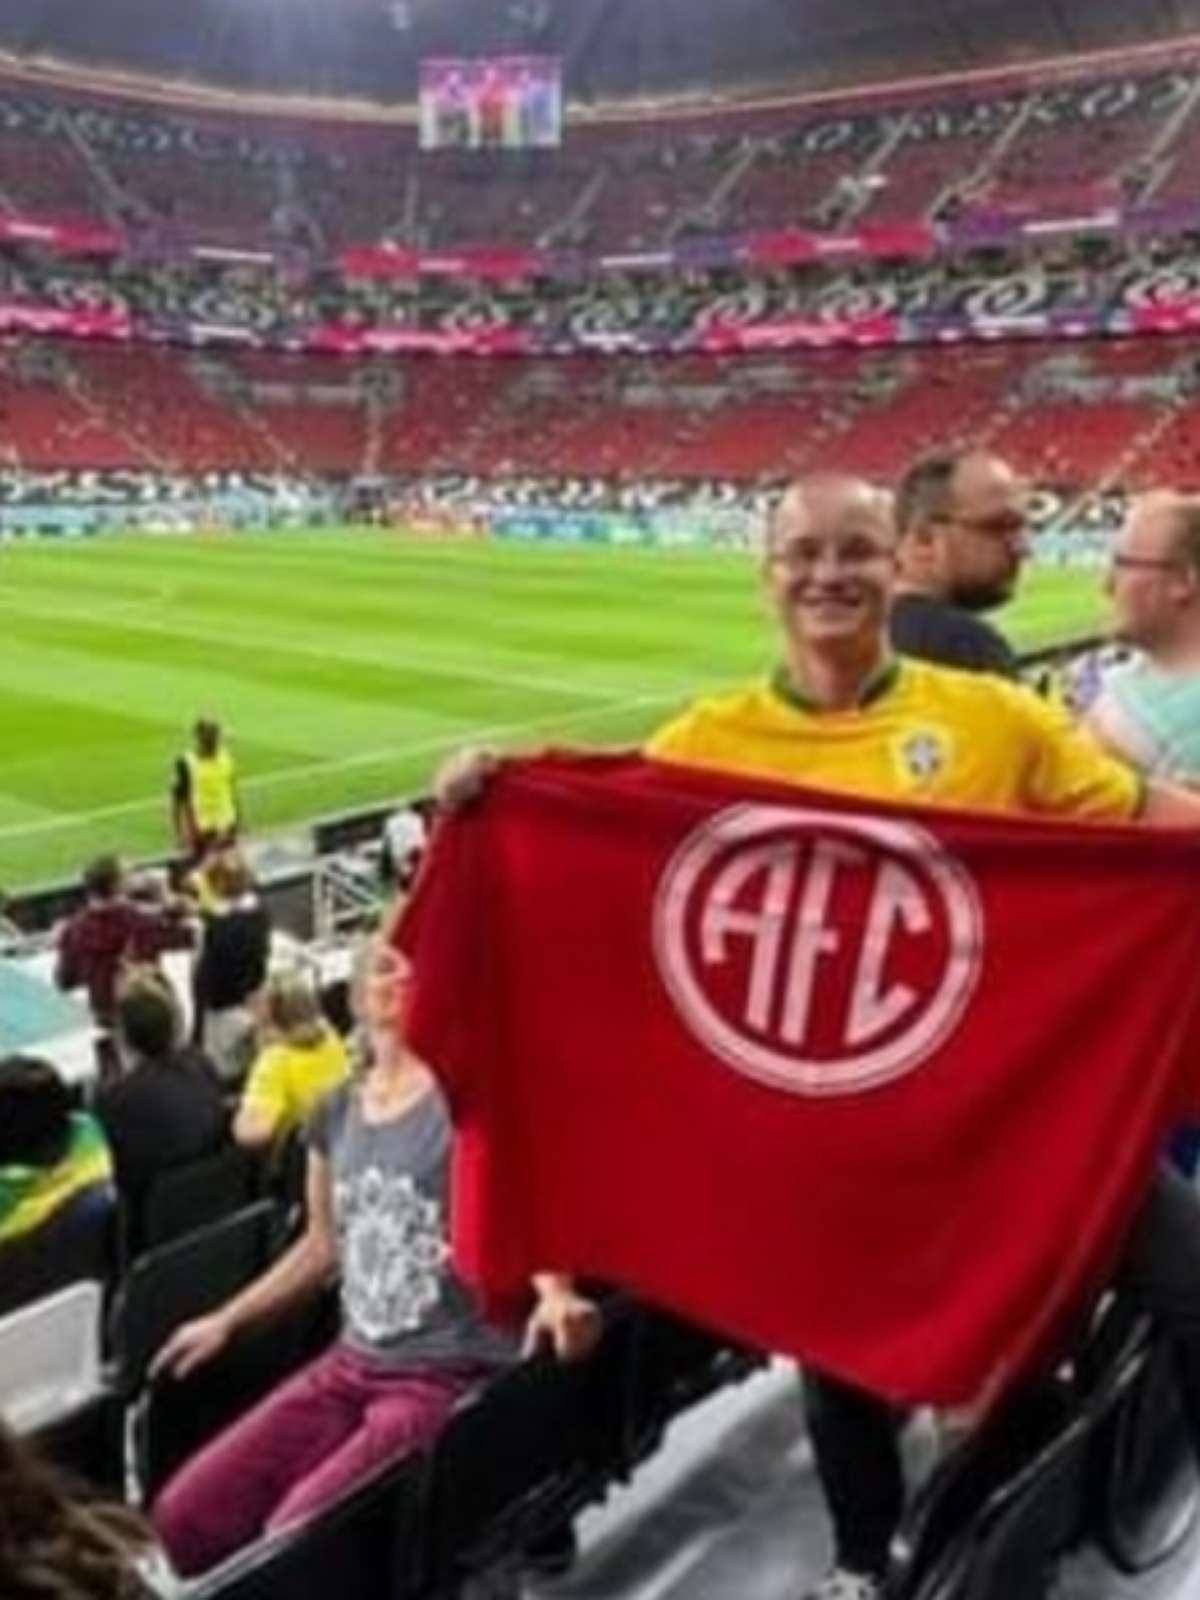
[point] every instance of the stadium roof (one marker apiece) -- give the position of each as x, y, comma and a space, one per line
612, 48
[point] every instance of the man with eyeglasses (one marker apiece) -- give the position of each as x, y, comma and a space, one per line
961, 520
961, 541
844, 712
1148, 711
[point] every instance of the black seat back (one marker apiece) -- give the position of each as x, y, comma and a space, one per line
511, 1458
86, 1444
179, 1416
518, 1460
1145, 1499
185, 1279
192, 1196
1011, 1547
936, 1536
1016, 1493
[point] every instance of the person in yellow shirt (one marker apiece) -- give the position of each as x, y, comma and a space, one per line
206, 808
303, 1059
843, 712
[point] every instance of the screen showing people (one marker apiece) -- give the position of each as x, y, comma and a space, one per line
511, 103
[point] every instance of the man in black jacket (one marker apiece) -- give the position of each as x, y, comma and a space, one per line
961, 519
166, 1109
231, 968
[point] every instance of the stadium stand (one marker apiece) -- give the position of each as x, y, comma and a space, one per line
1065, 419
153, 402
1063, 291
46, 424
224, 181
45, 175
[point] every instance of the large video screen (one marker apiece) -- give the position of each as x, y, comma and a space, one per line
505, 103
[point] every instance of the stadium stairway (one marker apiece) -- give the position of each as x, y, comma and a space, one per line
731, 1508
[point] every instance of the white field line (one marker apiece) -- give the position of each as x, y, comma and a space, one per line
127, 613
368, 758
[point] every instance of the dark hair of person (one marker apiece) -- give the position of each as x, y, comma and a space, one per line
102, 877
147, 1019
56, 1547
926, 489
35, 1114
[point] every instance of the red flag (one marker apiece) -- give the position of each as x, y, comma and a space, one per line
875, 1087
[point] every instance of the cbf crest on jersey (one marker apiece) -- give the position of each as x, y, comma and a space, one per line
821, 954
922, 755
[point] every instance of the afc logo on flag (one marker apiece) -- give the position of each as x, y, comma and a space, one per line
819, 953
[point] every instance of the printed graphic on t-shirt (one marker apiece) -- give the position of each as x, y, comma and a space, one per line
394, 1253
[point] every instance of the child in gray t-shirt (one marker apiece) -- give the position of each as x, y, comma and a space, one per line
412, 1340
403, 1306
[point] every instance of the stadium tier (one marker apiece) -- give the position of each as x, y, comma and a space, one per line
1092, 412
215, 179
852, 295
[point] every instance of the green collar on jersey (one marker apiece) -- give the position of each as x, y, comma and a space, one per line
880, 683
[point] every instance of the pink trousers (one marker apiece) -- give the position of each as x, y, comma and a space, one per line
298, 1450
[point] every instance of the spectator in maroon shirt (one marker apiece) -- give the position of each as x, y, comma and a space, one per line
113, 931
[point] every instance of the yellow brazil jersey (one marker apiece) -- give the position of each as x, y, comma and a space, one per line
924, 735
287, 1080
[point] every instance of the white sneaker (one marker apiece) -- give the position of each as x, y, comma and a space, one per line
843, 1585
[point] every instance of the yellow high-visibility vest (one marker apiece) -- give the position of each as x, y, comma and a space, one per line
212, 794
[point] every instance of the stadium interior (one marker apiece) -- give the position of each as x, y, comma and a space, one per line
375, 425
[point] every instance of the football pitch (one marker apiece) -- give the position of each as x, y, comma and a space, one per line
344, 665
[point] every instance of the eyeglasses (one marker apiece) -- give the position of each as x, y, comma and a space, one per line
803, 556
1008, 526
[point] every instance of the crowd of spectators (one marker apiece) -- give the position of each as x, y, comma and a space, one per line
172, 1093
256, 1052
207, 1034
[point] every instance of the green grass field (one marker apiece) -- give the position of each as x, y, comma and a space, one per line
344, 665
